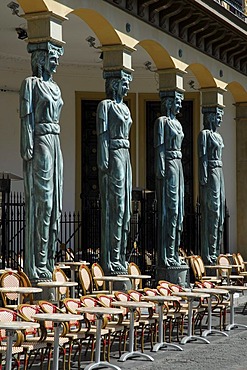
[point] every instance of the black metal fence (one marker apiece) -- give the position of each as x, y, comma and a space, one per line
79, 236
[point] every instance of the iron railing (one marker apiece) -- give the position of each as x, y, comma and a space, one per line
79, 237
234, 7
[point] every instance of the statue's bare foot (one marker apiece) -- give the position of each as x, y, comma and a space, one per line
117, 267
173, 262
44, 273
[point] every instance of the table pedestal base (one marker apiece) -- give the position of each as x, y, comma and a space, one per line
231, 326
162, 345
101, 364
127, 355
213, 331
193, 337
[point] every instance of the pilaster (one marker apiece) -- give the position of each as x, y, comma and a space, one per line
241, 158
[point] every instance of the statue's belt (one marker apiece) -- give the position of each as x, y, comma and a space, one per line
173, 154
214, 163
119, 143
47, 128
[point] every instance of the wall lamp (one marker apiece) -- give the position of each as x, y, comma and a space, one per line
91, 41
21, 33
191, 84
14, 7
148, 66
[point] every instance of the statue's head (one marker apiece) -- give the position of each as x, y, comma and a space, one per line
171, 102
117, 84
45, 57
212, 117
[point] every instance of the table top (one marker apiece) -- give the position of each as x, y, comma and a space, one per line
75, 263
209, 290
110, 278
20, 290
219, 266
2, 271
136, 276
161, 298
56, 317
18, 325
100, 310
191, 294
233, 288
53, 284
132, 304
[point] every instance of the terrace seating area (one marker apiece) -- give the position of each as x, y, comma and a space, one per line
96, 324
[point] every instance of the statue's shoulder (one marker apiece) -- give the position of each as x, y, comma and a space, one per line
29, 82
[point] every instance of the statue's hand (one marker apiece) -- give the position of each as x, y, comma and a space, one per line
161, 174
204, 180
27, 155
104, 166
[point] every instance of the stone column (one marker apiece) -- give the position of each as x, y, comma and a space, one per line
168, 136
210, 175
241, 137
40, 124
113, 125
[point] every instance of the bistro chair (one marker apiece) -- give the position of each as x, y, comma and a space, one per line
109, 327
7, 315
226, 273
35, 337
199, 270
86, 281
239, 269
10, 279
59, 275
26, 283
70, 333
133, 269
97, 271
31, 344
148, 320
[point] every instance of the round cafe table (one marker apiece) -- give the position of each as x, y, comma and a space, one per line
132, 306
231, 290
57, 319
57, 285
212, 292
11, 328
160, 300
99, 312
20, 290
191, 297
133, 279
111, 280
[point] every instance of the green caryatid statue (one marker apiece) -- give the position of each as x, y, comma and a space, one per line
40, 108
115, 174
168, 137
211, 182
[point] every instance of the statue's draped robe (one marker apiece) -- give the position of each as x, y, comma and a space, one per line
168, 137
212, 193
115, 182
40, 107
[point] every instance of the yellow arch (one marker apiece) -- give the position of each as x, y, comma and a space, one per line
238, 92
158, 53
97, 23
94, 20
44, 6
203, 75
